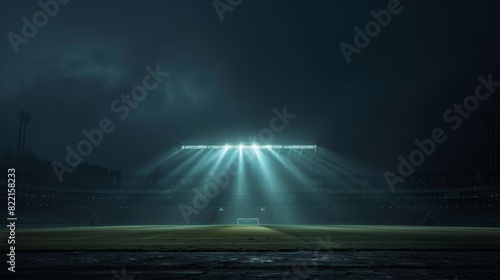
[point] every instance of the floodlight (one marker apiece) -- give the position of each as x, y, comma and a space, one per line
248, 147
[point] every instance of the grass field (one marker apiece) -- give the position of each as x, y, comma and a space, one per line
256, 238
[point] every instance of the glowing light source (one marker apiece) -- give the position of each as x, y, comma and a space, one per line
248, 147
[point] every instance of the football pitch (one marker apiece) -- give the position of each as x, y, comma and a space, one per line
257, 238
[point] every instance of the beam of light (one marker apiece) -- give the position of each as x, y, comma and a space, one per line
295, 168
158, 161
290, 167
340, 169
218, 162
269, 172
239, 190
180, 169
240, 175
271, 183
273, 186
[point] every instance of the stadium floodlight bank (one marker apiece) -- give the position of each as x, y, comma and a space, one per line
248, 147
247, 221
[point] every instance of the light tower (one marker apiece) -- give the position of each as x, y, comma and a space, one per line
25, 119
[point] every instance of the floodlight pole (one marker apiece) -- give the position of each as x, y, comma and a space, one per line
24, 120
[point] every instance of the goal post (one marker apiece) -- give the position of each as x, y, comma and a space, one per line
247, 221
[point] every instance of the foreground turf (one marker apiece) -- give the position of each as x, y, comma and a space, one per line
256, 238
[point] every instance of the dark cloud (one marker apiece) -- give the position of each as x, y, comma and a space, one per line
226, 77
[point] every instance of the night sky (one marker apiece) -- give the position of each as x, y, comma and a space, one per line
227, 76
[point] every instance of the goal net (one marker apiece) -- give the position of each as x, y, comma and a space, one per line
247, 221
